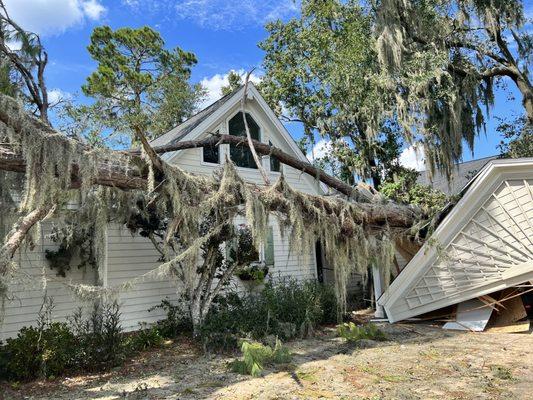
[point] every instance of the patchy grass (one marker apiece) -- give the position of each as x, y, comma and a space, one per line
417, 362
501, 372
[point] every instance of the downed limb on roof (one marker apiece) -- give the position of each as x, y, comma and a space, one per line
114, 186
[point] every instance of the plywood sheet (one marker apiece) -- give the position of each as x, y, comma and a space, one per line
517, 327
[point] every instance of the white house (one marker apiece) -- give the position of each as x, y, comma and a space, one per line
484, 244
129, 256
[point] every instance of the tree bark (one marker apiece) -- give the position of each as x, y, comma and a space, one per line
359, 192
17, 235
526, 90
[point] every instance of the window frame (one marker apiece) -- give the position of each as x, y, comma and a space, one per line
210, 164
250, 113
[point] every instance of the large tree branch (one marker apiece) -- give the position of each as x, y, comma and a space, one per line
19, 232
360, 192
375, 213
248, 135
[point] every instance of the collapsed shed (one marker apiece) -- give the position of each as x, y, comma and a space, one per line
484, 245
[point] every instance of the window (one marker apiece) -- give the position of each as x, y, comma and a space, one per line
211, 154
241, 155
275, 164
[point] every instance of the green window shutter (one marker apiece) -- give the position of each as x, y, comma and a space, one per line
269, 247
231, 248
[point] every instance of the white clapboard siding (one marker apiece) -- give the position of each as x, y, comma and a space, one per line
130, 256
26, 298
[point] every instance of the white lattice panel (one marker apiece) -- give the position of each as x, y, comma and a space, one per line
496, 240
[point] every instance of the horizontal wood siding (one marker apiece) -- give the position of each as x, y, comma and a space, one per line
26, 298
130, 256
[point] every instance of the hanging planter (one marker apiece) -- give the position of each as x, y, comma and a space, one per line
255, 272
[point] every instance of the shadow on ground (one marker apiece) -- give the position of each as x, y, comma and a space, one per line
418, 361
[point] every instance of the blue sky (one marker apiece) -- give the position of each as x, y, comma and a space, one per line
222, 33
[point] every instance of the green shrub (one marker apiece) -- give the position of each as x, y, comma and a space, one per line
45, 351
145, 338
284, 309
177, 320
256, 356
100, 341
354, 333
94, 342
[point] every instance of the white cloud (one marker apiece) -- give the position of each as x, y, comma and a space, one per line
231, 15
49, 17
319, 150
214, 85
413, 157
93, 9
219, 14
57, 95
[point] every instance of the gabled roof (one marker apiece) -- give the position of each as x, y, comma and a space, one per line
198, 124
187, 126
462, 173
483, 245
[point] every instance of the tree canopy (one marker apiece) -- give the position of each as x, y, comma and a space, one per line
442, 59
323, 69
139, 86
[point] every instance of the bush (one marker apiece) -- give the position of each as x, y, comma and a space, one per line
285, 309
92, 342
176, 322
145, 338
354, 333
256, 356
43, 351
100, 341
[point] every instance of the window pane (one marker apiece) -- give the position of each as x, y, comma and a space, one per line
211, 154
275, 164
241, 155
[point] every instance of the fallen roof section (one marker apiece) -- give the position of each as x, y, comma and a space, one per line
483, 245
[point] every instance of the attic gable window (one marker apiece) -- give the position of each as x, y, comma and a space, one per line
275, 164
241, 155
211, 154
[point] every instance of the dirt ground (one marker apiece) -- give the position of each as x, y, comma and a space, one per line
418, 362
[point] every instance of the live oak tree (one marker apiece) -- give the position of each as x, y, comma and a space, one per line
323, 68
139, 86
442, 60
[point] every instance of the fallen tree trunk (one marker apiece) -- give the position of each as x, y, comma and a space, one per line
378, 214
358, 192
21, 229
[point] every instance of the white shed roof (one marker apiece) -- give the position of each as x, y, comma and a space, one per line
483, 245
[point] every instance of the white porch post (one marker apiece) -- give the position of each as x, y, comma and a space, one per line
378, 291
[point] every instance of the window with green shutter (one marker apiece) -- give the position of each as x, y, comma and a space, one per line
269, 248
